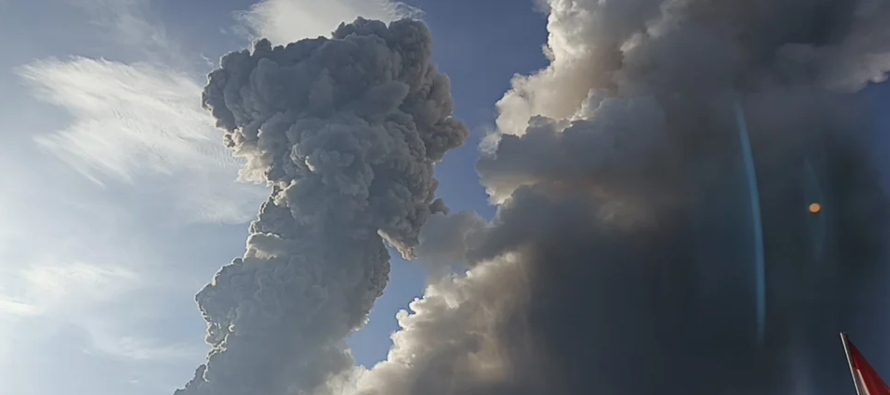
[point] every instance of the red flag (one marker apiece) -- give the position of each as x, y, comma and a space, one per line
866, 379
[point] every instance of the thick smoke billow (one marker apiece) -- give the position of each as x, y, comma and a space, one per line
620, 260
346, 130
446, 238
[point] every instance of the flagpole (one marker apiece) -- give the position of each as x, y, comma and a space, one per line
846, 344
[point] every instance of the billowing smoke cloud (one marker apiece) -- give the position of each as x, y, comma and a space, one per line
620, 260
346, 130
445, 239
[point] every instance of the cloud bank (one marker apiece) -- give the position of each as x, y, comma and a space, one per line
620, 259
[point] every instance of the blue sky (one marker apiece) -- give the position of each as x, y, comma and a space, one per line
104, 229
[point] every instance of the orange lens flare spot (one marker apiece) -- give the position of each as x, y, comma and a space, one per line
815, 208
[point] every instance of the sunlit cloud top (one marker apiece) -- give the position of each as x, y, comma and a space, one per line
284, 21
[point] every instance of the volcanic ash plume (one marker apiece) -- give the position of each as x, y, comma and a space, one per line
620, 260
346, 130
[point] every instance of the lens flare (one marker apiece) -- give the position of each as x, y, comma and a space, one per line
757, 227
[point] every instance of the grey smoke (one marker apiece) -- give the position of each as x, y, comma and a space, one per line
619, 260
593, 146
346, 131
445, 239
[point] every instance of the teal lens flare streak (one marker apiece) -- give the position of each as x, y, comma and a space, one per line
757, 226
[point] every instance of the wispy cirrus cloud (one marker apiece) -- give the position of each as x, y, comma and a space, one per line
133, 25
88, 273
143, 122
48, 286
79, 294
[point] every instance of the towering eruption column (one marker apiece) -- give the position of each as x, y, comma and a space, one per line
346, 131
